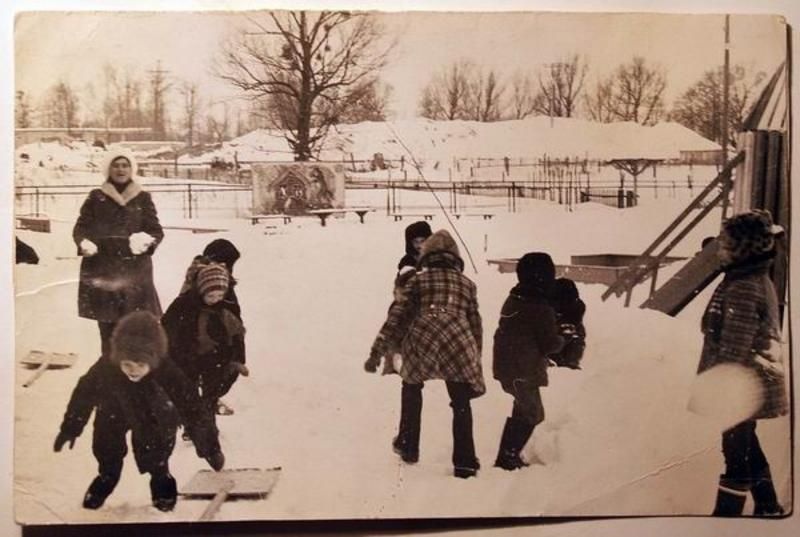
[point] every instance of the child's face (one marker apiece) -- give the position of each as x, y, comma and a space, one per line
135, 371
213, 297
725, 250
416, 242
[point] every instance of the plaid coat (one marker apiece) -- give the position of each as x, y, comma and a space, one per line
437, 327
740, 322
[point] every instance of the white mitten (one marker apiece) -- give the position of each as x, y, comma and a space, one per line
140, 242
87, 248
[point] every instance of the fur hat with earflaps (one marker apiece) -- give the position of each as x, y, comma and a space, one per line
139, 337
750, 235
536, 269
416, 230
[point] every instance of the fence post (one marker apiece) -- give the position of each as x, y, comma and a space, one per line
189, 196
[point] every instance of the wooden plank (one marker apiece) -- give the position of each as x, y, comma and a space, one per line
689, 281
760, 148
772, 175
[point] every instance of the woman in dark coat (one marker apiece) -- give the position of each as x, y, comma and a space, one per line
437, 328
526, 334
741, 326
138, 388
117, 232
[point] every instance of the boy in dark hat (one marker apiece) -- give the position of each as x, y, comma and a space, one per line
741, 325
569, 310
415, 235
206, 335
137, 388
526, 334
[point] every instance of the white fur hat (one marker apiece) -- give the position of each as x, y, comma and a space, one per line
114, 153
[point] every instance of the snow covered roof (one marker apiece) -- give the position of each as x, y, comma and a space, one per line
442, 141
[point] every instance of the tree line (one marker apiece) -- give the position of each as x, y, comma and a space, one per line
302, 73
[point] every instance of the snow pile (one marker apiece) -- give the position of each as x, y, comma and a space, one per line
617, 438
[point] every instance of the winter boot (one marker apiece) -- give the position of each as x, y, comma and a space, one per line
465, 463
515, 435
731, 497
766, 501
163, 491
406, 443
100, 489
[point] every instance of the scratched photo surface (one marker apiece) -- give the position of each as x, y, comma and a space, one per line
311, 150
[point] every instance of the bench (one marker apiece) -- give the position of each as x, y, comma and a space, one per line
195, 229
254, 219
34, 223
486, 216
323, 214
400, 216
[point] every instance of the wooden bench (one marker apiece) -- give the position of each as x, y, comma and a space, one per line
400, 216
254, 219
196, 229
323, 214
34, 223
486, 216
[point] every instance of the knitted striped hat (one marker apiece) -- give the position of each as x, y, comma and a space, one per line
212, 277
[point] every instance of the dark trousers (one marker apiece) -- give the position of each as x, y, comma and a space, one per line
528, 405
411, 414
745, 463
106, 329
109, 446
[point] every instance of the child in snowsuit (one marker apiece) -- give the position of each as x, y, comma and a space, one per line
526, 334
217, 251
206, 334
569, 310
138, 388
741, 325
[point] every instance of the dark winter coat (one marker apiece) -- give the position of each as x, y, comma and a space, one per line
114, 281
526, 334
742, 321
25, 253
569, 310
213, 357
437, 326
150, 408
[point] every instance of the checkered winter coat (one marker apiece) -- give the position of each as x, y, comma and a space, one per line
437, 327
740, 322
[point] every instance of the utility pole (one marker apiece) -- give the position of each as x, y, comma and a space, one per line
725, 96
159, 87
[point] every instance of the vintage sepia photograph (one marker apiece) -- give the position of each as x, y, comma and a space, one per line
304, 265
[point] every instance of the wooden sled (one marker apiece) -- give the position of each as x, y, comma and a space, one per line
43, 360
253, 483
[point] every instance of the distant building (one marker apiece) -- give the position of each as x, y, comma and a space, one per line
87, 134
708, 156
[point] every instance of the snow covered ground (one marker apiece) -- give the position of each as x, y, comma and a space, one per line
617, 439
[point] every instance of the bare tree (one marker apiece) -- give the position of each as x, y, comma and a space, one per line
191, 105
483, 99
24, 111
521, 100
370, 103
61, 106
304, 67
634, 92
446, 94
560, 86
700, 106
217, 127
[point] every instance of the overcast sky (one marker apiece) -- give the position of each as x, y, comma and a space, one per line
74, 46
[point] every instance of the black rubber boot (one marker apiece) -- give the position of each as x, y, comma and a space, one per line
163, 491
515, 435
100, 489
731, 497
766, 501
406, 443
465, 463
